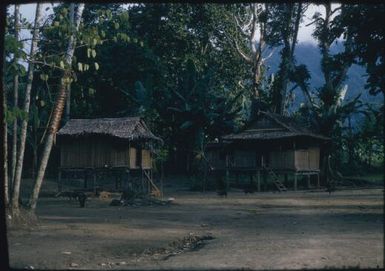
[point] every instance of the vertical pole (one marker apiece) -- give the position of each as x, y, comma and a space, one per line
85, 179
126, 179
116, 181
161, 178
94, 180
227, 172
308, 181
259, 180
141, 180
59, 181
286, 179
318, 183
295, 181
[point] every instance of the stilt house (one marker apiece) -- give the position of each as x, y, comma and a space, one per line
271, 144
109, 146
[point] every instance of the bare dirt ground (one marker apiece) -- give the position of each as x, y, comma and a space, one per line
292, 230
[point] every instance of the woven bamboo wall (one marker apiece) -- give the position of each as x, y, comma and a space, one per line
307, 159
282, 160
98, 152
146, 159
133, 158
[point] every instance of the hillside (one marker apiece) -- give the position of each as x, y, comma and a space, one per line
309, 55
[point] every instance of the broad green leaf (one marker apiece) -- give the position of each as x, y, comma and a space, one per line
91, 91
93, 52
96, 66
80, 66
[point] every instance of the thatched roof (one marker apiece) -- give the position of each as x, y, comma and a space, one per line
272, 126
129, 128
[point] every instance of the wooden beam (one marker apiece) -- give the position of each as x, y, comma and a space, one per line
59, 181
227, 172
259, 180
85, 179
318, 182
295, 182
94, 181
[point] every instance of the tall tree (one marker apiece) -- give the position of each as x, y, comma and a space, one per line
15, 95
4, 263
27, 101
249, 39
5, 144
58, 108
68, 102
365, 25
328, 110
284, 22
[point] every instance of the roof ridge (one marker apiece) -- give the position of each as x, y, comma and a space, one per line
274, 117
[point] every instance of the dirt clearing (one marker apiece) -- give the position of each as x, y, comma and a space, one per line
201, 230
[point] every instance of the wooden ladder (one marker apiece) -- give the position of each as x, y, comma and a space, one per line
155, 191
278, 184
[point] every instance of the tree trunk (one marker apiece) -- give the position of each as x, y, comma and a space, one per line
27, 101
57, 112
4, 262
257, 58
5, 148
289, 34
15, 98
68, 102
34, 161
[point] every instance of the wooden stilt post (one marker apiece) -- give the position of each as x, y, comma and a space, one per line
264, 181
59, 181
286, 180
308, 181
116, 181
295, 181
259, 180
141, 180
85, 179
318, 183
126, 176
94, 181
227, 173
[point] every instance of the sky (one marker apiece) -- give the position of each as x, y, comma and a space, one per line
304, 34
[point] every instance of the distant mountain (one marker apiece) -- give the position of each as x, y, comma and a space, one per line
309, 55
